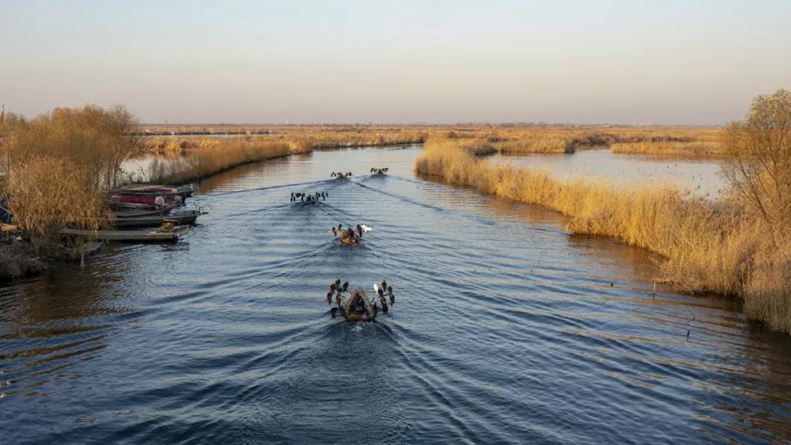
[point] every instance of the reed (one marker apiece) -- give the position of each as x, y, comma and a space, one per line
60, 165
671, 148
706, 246
222, 155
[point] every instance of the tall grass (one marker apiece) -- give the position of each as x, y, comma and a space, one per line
60, 165
221, 155
706, 246
671, 148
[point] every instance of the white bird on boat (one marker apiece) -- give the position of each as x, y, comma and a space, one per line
367, 228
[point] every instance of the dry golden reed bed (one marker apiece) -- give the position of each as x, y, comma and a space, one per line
707, 247
221, 155
509, 139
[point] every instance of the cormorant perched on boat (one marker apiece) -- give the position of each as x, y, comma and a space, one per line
345, 286
334, 231
338, 283
339, 227
392, 297
329, 297
384, 285
384, 307
333, 287
360, 230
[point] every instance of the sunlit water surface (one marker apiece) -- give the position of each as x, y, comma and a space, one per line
700, 177
506, 329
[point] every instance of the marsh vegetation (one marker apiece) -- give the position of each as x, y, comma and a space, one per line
739, 245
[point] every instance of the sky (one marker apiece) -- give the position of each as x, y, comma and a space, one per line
298, 61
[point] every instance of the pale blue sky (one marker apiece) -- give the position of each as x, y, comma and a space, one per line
668, 62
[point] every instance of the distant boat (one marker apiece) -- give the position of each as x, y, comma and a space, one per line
126, 235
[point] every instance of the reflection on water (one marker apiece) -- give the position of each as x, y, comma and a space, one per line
505, 329
701, 177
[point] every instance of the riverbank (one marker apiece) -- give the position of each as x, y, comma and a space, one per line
707, 246
224, 154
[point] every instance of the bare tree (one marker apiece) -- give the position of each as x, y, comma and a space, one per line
760, 167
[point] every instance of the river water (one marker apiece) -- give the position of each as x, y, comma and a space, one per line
506, 329
699, 177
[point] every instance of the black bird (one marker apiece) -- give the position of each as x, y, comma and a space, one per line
345, 286
384, 307
360, 230
392, 297
333, 311
381, 294
333, 287
338, 283
384, 285
334, 231
339, 227
329, 297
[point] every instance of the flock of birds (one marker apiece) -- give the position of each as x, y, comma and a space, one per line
379, 171
311, 198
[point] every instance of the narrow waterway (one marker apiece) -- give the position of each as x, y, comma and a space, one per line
506, 329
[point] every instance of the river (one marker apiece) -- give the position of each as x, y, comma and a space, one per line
699, 177
506, 329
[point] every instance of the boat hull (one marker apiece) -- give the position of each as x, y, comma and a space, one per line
125, 235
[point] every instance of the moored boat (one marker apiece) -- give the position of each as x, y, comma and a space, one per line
187, 217
154, 236
140, 212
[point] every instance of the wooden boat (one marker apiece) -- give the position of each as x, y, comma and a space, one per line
154, 236
137, 213
183, 191
142, 201
187, 217
358, 308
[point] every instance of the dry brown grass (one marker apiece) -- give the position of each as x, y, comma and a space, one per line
671, 148
221, 155
509, 139
707, 247
60, 165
